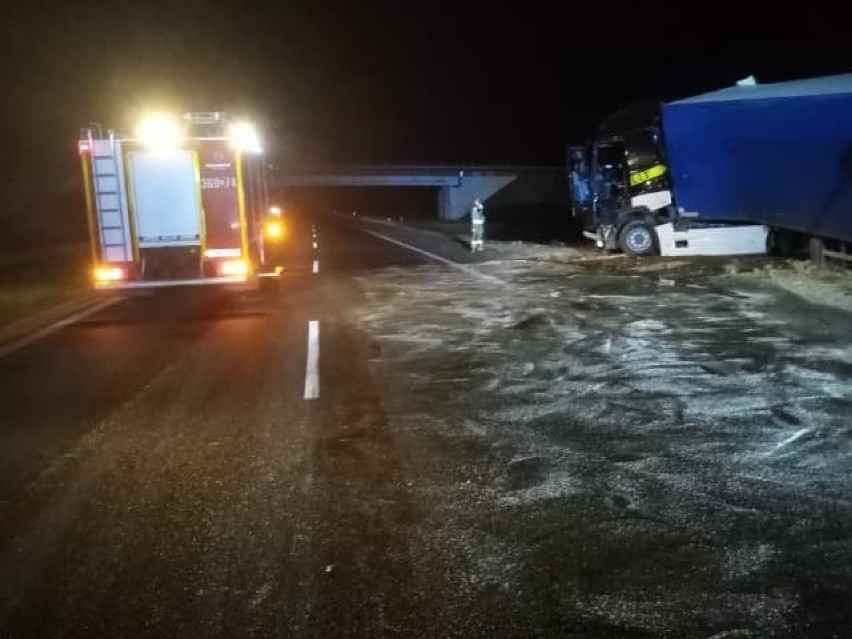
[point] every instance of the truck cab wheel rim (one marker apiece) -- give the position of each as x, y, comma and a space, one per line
639, 240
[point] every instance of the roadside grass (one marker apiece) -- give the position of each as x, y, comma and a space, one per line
29, 288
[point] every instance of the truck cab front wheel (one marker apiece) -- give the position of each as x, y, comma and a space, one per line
637, 238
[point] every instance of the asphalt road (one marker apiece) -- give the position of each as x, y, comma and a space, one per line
164, 475
504, 449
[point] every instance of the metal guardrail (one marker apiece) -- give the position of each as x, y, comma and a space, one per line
820, 254
837, 255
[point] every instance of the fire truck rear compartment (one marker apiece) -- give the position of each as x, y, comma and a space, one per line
170, 263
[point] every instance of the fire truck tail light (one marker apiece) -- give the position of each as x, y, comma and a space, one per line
234, 268
108, 273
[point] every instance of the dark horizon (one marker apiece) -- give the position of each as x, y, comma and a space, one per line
372, 83
435, 83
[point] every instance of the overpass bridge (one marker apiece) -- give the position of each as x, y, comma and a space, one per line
457, 185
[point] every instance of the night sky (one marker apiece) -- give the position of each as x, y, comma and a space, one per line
385, 81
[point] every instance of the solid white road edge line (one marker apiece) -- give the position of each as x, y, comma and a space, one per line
312, 367
18, 344
316, 266
438, 258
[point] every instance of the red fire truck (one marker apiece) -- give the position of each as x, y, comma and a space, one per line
181, 203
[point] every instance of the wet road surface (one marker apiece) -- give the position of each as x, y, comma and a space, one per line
519, 447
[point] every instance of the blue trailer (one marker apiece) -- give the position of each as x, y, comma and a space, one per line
781, 153
715, 173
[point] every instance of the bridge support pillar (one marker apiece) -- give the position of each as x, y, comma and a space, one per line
454, 202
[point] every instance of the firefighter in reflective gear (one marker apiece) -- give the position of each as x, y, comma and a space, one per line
477, 225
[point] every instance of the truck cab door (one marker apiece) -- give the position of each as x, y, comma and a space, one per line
579, 178
609, 180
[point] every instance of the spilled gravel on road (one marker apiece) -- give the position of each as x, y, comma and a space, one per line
624, 446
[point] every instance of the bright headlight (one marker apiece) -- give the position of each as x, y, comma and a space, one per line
234, 268
244, 137
274, 230
159, 132
108, 273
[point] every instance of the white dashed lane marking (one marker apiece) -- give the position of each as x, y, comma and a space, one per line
312, 367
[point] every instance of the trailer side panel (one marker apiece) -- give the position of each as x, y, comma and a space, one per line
782, 159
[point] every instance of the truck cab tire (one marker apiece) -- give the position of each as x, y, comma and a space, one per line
637, 238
